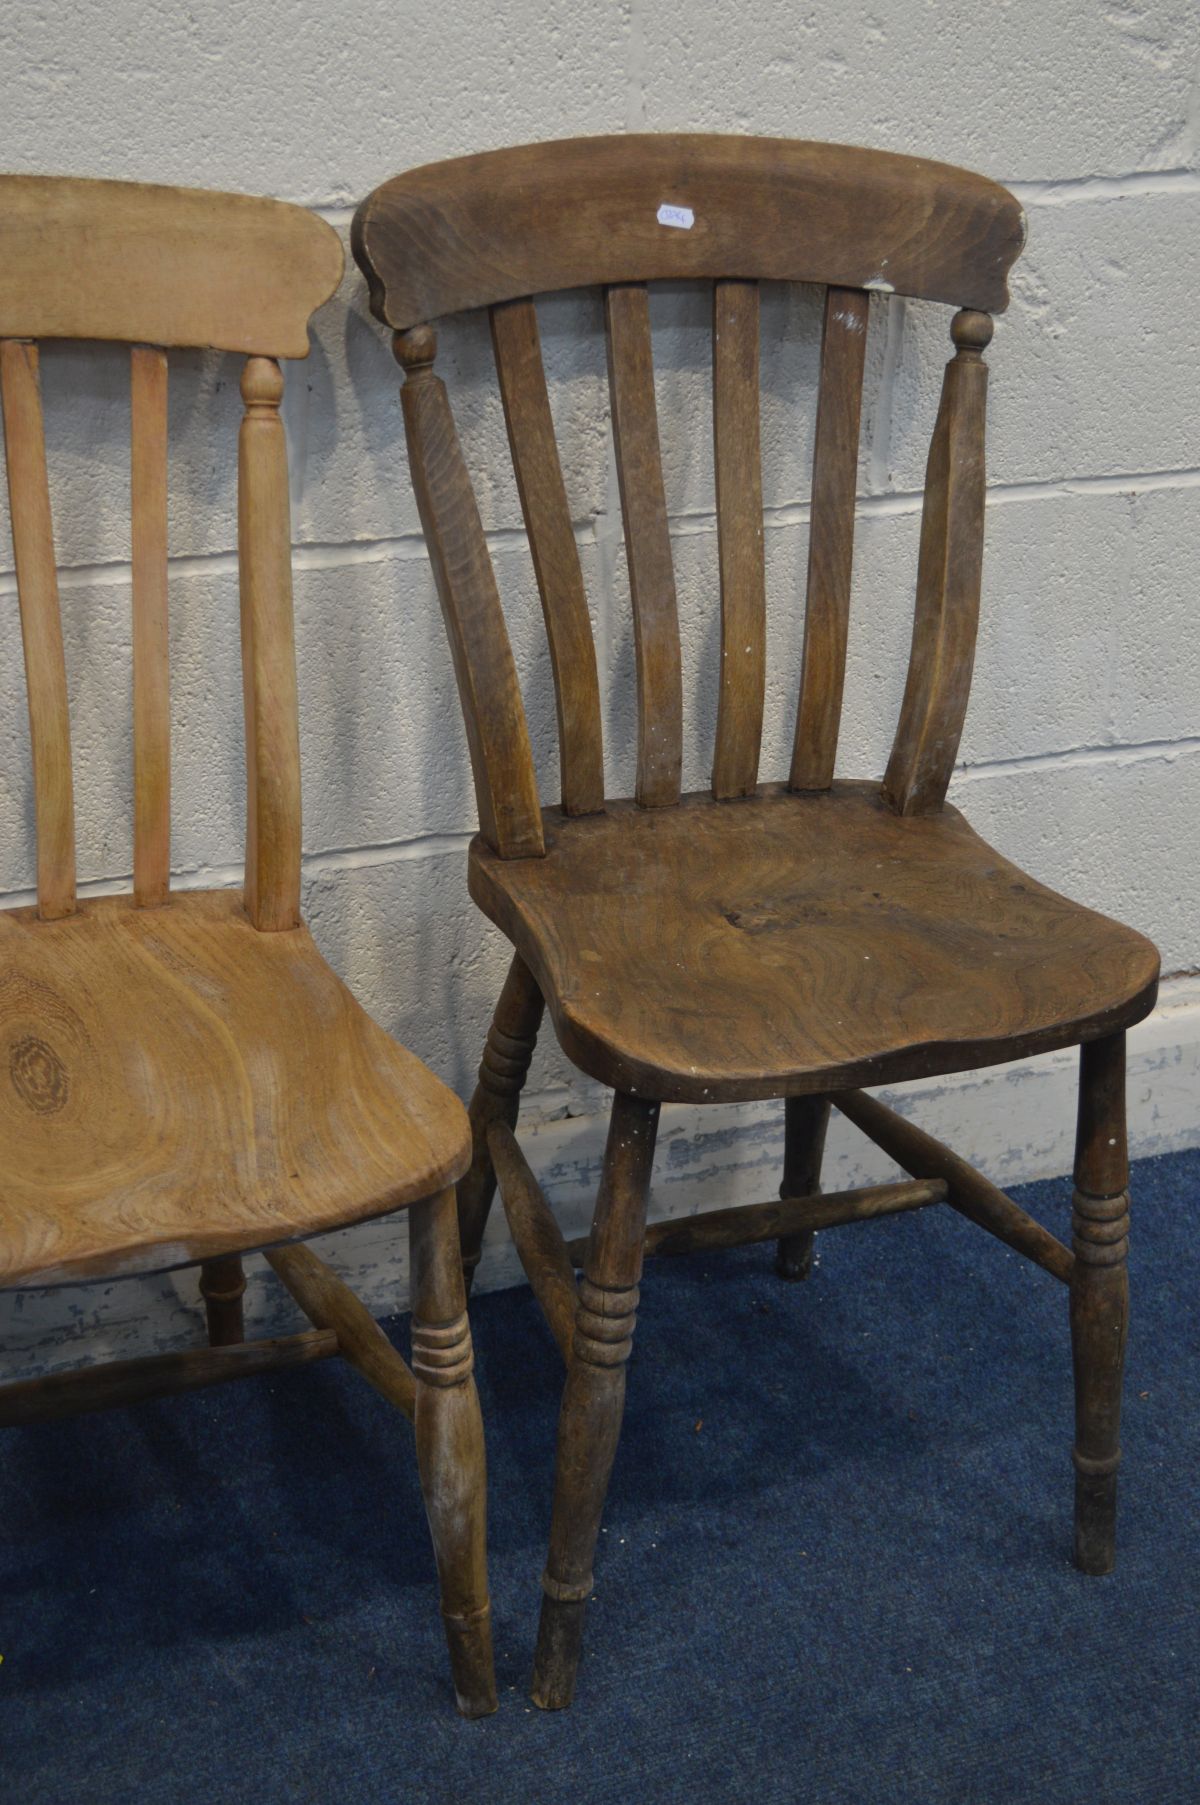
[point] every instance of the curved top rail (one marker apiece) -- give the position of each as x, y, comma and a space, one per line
162, 266
641, 206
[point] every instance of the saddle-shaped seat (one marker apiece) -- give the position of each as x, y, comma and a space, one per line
175, 1084
780, 944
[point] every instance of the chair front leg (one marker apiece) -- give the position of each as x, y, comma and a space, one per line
589, 1423
507, 1053
805, 1121
1099, 1297
450, 1453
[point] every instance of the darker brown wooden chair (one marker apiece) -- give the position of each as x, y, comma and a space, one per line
182, 1077
796, 940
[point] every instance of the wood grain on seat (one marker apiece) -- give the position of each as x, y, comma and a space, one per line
790, 943
174, 1084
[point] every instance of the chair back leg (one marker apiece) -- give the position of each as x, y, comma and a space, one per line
222, 1285
805, 1121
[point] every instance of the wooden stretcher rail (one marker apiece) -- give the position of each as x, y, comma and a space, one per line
536, 1235
329, 1304
748, 1223
969, 1192
121, 1382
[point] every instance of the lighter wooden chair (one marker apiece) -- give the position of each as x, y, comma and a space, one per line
182, 1077
796, 940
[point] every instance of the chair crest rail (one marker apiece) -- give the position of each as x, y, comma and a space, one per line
152, 265
649, 206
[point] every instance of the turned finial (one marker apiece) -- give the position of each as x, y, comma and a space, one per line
262, 382
415, 349
971, 332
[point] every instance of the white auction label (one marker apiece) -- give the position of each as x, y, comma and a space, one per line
683, 217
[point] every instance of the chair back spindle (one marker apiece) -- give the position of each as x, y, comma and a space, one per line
501, 759
831, 538
737, 462
538, 470
498, 229
41, 627
949, 573
647, 545
151, 679
268, 654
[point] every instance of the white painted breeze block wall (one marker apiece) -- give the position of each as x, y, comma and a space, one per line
1081, 758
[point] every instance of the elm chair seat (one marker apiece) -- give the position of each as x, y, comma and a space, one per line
177, 1084
786, 944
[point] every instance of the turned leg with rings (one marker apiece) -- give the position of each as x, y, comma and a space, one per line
1099, 1297
450, 1454
511, 1040
589, 1423
804, 1124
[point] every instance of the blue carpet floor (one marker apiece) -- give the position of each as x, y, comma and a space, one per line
835, 1567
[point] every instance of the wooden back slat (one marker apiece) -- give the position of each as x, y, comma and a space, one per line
272, 884
555, 555
738, 464
151, 685
831, 538
501, 759
41, 627
949, 570
647, 544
